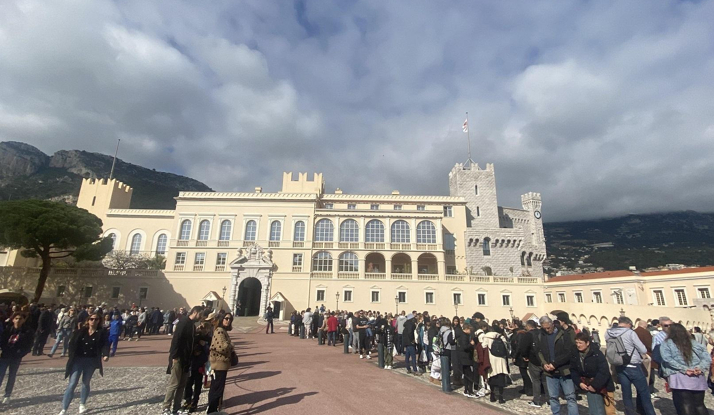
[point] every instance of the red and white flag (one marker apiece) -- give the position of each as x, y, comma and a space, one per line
466, 126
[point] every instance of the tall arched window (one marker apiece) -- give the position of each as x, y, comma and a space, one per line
161, 244
529, 259
374, 231
486, 246
225, 231
324, 230
251, 228
487, 271
400, 232
349, 231
185, 230
114, 240
204, 229
299, 235
275, 230
523, 258
426, 232
135, 244
322, 262
348, 262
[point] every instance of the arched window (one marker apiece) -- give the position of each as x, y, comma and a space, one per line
161, 244
299, 231
400, 232
275, 230
114, 240
135, 244
426, 232
348, 262
324, 230
374, 231
204, 229
251, 228
322, 262
349, 231
185, 230
523, 258
486, 246
225, 231
487, 271
529, 259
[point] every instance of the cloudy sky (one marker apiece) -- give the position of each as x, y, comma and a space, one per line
605, 107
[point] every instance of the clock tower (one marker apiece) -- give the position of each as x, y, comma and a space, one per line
532, 203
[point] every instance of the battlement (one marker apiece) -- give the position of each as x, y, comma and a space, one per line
120, 186
303, 184
470, 167
530, 196
99, 195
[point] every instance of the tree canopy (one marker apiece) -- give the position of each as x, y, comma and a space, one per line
51, 230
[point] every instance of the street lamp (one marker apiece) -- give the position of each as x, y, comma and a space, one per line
513, 316
456, 308
396, 302
224, 296
337, 299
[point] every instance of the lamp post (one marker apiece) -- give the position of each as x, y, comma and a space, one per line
396, 302
456, 308
337, 299
223, 297
513, 316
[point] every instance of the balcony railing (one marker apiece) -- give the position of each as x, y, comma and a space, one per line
322, 275
201, 243
274, 244
298, 244
400, 247
401, 276
220, 267
428, 277
248, 243
375, 276
182, 243
198, 267
503, 280
322, 245
297, 268
479, 278
348, 275
224, 243
374, 245
179, 267
426, 247
348, 245
455, 278
528, 280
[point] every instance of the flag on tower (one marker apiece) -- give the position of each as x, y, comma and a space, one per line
466, 126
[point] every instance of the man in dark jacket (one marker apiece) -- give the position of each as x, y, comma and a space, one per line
44, 328
156, 319
528, 352
180, 355
410, 345
555, 348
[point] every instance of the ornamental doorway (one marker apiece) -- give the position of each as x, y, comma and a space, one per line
249, 292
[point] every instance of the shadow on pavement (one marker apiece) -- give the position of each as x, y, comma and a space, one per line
287, 400
255, 397
252, 376
35, 400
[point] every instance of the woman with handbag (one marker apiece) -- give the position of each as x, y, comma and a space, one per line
221, 357
591, 373
684, 364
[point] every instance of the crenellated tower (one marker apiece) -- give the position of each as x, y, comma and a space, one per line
478, 187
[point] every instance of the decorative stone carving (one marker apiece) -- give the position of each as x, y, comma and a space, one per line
253, 262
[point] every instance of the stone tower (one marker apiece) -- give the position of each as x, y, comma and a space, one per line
478, 187
532, 203
99, 195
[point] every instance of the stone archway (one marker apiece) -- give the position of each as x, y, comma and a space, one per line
249, 292
252, 270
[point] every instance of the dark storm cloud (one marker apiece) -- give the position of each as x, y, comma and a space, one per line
603, 107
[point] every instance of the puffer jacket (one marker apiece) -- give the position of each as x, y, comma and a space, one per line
593, 365
673, 361
220, 351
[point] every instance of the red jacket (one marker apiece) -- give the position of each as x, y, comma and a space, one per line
332, 324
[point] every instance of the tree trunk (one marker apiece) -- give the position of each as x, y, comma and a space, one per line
44, 273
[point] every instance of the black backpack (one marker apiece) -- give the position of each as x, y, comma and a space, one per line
498, 348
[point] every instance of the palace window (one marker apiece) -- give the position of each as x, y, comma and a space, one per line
161, 244
659, 297
421, 207
448, 212
299, 235
375, 296
561, 297
347, 296
351, 206
681, 296
481, 298
530, 300
348, 262
617, 296
426, 232
400, 232
143, 292
114, 240
548, 298
397, 207
185, 234
506, 299
88, 292
204, 229
476, 190
200, 258
297, 262
221, 259
457, 298
402, 296
703, 292
374, 231
225, 231
135, 244
597, 297
329, 205
374, 206
180, 258
349, 231
276, 229
61, 289
320, 295
251, 230
324, 230
322, 262
478, 212
115, 292
486, 246
578, 297
429, 297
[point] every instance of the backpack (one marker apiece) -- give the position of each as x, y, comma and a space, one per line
616, 353
498, 348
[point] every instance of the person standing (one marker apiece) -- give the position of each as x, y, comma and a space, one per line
555, 348
410, 345
521, 360
684, 364
630, 373
465, 346
44, 327
646, 338
498, 362
448, 347
180, 355
528, 351
361, 325
114, 333
269, 320
306, 322
591, 373
87, 346
220, 359
332, 325
66, 326
15, 343
401, 319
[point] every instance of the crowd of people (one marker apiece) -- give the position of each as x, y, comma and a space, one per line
200, 355
555, 358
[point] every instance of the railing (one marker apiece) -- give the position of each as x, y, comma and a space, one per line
322, 245
322, 275
503, 280
426, 247
145, 272
479, 278
455, 278
528, 280
220, 267
428, 277
182, 243
198, 267
297, 268
375, 276
348, 275
348, 245
298, 244
201, 243
374, 245
179, 267
274, 244
401, 276
449, 252
400, 247
224, 243
247, 243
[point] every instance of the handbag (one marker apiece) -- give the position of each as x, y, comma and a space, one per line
234, 359
587, 381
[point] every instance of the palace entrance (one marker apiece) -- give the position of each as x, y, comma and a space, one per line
249, 292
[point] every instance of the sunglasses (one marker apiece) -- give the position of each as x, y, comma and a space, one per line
665, 325
93, 319
226, 318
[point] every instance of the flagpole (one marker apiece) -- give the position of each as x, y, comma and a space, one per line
468, 137
111, 173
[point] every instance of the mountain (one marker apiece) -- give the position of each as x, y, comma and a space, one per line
28, 173
643, 241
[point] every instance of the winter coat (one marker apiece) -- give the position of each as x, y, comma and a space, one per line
45, 322
464, 349
528, 347
115, 328
182, 343
673, 360
563, 349
101, 349
221, 348
594, 366
499, 365
516, 340
16, 347
408, 338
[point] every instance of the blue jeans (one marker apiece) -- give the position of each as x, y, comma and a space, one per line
445, 374
13, 365
555, 386
62, 337
302, 332
114, 342
83, 366
628, 376
410, 354
596, 404
331, 338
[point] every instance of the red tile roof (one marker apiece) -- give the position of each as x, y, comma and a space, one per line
622, 273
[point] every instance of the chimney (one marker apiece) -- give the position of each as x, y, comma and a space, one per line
258, 190
395, 192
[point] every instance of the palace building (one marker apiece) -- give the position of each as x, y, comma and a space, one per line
303, 247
